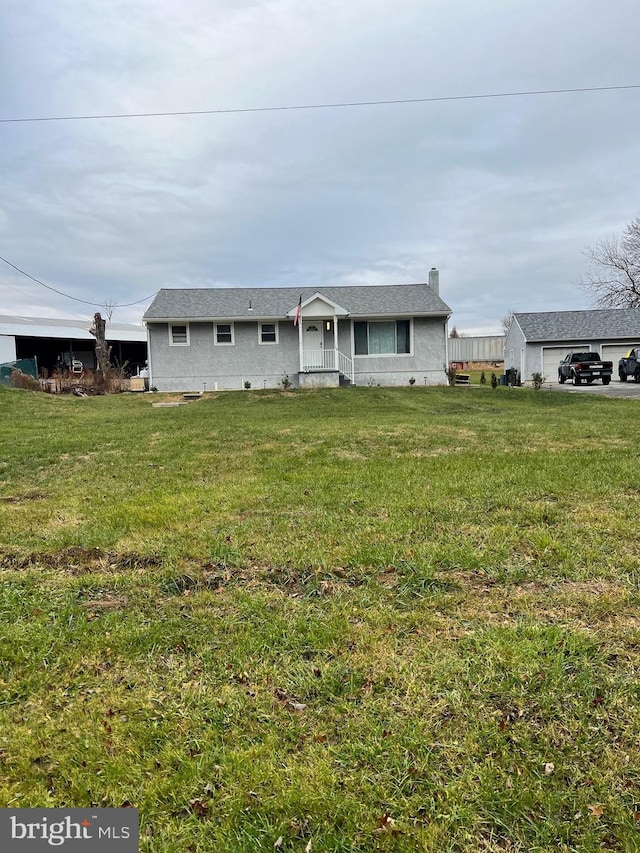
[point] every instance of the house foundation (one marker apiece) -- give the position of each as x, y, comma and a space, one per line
319, 379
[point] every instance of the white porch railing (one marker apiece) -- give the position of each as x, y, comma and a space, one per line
319, 359
327, 359
345, 366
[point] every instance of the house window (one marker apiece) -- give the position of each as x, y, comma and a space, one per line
178, 335
223, 334
268, 333
391, 337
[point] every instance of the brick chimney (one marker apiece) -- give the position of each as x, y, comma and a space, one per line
434, 280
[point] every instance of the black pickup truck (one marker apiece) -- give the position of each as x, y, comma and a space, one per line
584, 365
630, 365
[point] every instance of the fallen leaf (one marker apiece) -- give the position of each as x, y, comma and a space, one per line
297, 706
200, 808
278, 843
549, 768
596, 809
307, 849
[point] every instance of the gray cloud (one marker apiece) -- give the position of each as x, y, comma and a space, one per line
502, 195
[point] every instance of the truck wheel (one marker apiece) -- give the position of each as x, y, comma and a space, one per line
606, 380
636, 375
561, 378
622, 375
576, 379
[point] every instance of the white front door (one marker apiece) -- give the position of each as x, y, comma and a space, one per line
312, 339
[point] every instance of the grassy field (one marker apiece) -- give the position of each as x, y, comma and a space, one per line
351, 620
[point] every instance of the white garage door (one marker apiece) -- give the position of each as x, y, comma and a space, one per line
614, 352
552, 356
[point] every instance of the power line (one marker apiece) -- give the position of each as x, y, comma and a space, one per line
323, 106
21, 292
66, 295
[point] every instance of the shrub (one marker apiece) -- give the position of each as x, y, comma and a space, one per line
23, 380
494, 380
538, 379
483, 378
247, 385
451, 375
412, 381
285, 382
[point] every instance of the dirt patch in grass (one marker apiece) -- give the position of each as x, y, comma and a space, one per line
590, 604
78, 559
105, 600
593, 588
28, 496
293, 583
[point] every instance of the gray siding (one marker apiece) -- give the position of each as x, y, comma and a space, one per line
191, 368
427, 363
513, 346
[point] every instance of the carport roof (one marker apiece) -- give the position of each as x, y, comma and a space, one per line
596, 324
63, 328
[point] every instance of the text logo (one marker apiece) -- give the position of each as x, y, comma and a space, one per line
72, 830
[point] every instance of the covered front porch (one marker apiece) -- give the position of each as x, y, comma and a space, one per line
321, 361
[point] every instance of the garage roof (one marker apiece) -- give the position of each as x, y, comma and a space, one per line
597, 324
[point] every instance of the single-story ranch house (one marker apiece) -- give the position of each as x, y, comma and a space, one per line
203, 339
537, 342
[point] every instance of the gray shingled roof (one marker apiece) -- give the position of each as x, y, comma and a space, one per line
276, 302
580, 325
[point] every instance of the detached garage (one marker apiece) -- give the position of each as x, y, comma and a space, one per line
537, 342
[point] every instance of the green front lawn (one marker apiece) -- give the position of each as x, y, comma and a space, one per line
351, 620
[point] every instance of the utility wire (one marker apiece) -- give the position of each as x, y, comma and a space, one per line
66, 295
323, 106
21, 292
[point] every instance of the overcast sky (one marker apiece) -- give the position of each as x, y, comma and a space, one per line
502, 195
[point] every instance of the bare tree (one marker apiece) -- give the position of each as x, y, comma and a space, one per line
454, 333
505, 323
614, 278
109, 307
103, 350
